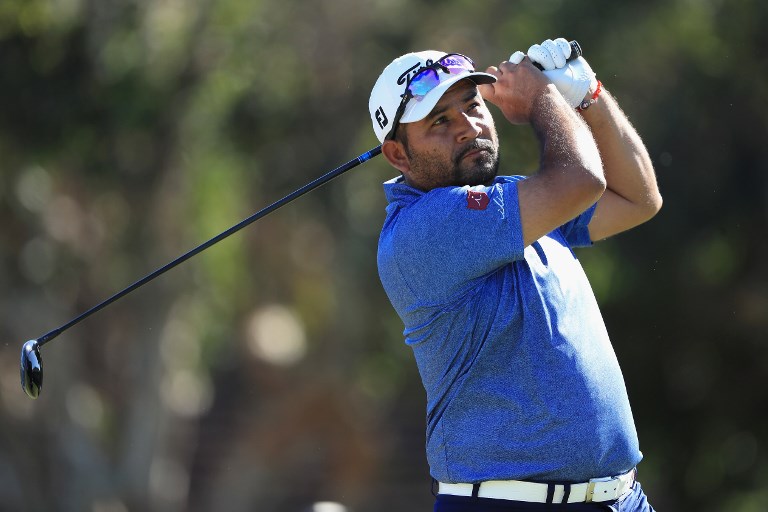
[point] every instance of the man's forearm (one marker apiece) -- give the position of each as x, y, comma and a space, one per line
565, 142
628, 169
570, 175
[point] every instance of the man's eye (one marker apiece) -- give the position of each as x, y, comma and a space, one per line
439, 120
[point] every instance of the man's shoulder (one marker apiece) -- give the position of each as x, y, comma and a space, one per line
397, 191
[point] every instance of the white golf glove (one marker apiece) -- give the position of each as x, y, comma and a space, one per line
573, 79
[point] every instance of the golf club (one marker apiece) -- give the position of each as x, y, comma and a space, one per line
31, 360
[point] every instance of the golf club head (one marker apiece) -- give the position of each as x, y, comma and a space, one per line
31, 369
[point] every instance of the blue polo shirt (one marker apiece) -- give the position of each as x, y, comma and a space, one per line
521, 379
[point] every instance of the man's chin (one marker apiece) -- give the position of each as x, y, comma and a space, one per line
482, 173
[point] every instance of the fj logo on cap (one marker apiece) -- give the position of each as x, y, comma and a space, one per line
381, 118
477, 200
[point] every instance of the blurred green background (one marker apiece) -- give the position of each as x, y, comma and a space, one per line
269, 373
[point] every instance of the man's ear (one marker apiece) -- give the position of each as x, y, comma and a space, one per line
394, 152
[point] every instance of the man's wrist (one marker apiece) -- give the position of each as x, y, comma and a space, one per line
591, 96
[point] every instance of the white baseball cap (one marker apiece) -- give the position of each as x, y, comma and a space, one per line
386, 94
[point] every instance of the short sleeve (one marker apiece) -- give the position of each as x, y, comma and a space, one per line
576, 232
454, 235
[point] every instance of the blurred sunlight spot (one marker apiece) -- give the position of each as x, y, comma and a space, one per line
167, 28
37, 259
85, 406
33, 188
328, 506
187, 393
64, 219
109, 506
168, 481
276, 336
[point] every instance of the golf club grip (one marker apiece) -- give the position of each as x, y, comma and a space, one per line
575, 54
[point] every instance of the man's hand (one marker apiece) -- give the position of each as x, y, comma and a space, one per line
574, 79
518, 85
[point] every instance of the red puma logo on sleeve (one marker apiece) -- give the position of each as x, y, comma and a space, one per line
477, 200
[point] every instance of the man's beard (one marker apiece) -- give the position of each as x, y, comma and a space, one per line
479, 169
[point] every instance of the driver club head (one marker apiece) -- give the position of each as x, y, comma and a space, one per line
31, 369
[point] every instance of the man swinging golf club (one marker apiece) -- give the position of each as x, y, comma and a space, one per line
526, 404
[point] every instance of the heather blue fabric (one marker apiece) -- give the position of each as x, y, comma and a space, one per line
521, 379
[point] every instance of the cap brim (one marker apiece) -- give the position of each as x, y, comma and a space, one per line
419, 109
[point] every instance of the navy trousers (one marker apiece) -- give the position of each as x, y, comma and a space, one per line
634, 501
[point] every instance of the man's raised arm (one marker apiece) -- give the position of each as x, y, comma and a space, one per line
632, 194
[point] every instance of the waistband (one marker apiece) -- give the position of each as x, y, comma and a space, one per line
595, 490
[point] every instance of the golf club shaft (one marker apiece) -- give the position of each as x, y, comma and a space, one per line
200, 248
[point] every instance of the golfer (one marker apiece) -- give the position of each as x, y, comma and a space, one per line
526, 403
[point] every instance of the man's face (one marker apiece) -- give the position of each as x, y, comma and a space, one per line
455, 145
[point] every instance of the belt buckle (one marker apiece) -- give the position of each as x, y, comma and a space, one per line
591, 487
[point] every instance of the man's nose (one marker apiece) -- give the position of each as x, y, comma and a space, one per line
468, 128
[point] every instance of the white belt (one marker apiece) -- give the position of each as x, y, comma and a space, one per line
597, 490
